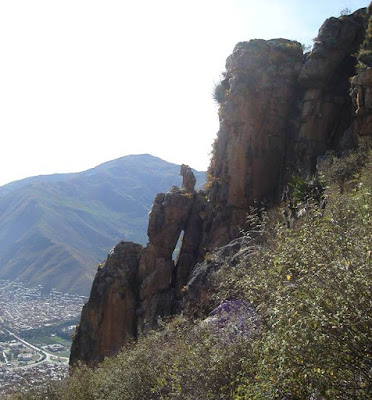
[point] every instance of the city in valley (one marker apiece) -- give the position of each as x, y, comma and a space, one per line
35, 335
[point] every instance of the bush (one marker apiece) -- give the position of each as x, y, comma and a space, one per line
344, 170
221, 91
180, 361
312, 286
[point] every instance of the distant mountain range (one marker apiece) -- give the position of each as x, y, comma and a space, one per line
55, 229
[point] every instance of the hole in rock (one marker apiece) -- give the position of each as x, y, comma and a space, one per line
177, 249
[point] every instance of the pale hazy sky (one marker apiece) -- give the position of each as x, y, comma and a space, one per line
86, 81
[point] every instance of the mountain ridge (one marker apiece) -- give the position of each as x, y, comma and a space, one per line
61, 224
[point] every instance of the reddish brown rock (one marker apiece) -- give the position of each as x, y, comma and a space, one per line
136, 286
361, 85
190, 250
255, 123
108, 319
172, 214
326, 105
188, 181
362, 101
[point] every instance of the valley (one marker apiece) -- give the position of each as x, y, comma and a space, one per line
35, 334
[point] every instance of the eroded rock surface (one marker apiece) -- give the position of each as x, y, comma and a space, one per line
197, 298
259, 103
108, 319
172, 213
136, 286
326, 104
233, 319
361, 85
362, 101
188, 181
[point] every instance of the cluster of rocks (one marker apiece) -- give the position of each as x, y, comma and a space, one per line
278, 108
137, 285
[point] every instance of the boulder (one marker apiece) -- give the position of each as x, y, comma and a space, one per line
233, 319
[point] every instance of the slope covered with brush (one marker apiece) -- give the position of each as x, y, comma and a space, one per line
308, 285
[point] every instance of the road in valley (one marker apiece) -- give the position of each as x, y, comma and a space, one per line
47, 356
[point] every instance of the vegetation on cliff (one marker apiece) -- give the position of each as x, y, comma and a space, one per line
311, 286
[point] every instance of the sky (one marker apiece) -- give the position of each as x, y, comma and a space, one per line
86, 81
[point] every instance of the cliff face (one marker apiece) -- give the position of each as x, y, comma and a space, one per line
135, 286
108, 319
277, 108
257, 108
326, 105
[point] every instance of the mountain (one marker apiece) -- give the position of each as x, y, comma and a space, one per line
55, 229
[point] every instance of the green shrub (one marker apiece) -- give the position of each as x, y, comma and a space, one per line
365, 52
312, 286
179, 361
344, 171
221, 91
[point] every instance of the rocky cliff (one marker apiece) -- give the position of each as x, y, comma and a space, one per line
279, 110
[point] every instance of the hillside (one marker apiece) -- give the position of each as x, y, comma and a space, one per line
280, 112
291, 313
270, 294
55, 229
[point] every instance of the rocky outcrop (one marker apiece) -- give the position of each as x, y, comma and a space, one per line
136, 286
108, 319
232, 319
256, 110
160, 276
326, 105
361, 85
188, 181
276, 107
362, 101
197, 297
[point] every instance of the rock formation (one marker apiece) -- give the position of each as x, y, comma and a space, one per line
362, 100
361, 85
188, 181
326, 104
135, 286
108, 318
161, 278
261, 94
277, 107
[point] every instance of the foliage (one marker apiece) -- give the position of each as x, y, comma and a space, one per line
343, 171
311, 285
291, 48
179, 361
221, 91
306, 48
345, 11
365, 52
210, 178
306, 190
